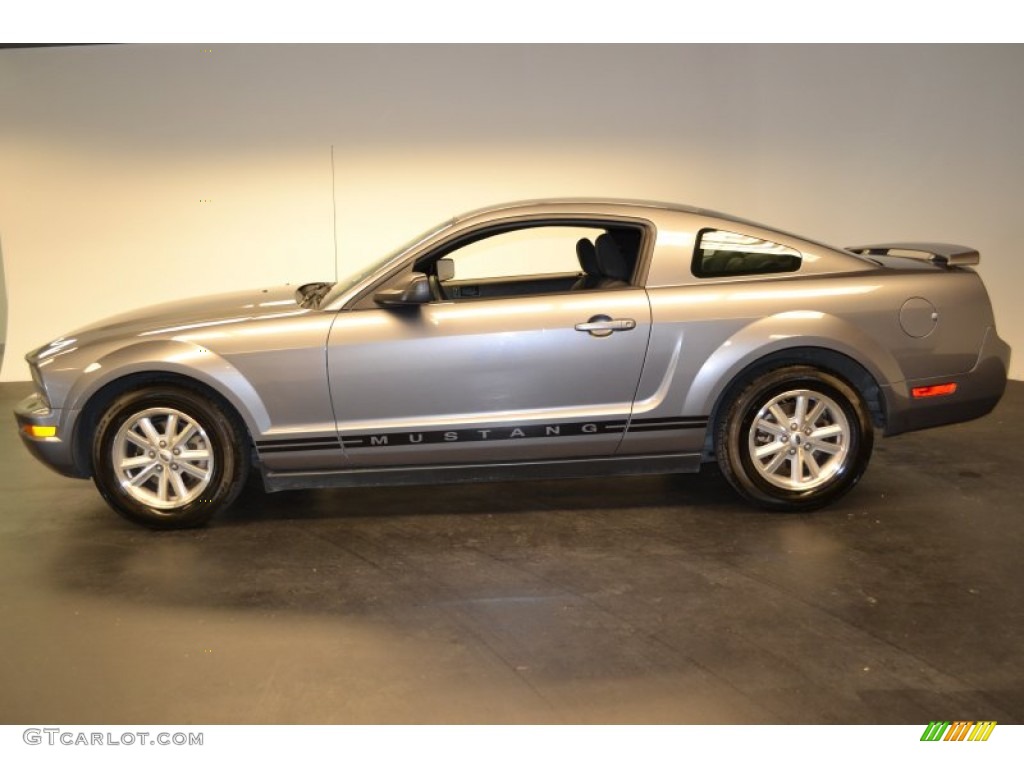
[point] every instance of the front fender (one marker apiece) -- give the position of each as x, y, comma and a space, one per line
171, 356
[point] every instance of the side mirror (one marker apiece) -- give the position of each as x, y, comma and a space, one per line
445, 269
411, 290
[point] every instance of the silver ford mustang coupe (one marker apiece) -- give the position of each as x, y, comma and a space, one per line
542, 339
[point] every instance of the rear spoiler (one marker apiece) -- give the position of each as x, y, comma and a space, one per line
946, 254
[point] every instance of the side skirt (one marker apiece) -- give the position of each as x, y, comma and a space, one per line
484, 473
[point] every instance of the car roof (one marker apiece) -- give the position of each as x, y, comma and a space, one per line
627, 206
547, 203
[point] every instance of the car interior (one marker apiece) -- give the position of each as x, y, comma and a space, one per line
607, 262
767, 258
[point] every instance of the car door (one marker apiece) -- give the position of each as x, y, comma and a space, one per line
515, 359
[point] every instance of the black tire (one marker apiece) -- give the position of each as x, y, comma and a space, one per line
773, 464
167, 483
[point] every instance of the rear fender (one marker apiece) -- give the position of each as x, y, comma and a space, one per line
795, 331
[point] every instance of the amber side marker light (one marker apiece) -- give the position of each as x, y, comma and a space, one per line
934, 390
35, 430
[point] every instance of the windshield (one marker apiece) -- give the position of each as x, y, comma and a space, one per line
347, 281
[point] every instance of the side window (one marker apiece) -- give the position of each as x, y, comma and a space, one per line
535, 259
729, 254
537, 251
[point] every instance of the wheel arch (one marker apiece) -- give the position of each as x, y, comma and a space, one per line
850, 370
792, 475
171, 491
91, 404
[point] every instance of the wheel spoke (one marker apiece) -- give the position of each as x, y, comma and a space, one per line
193, 470
161, 486
811, 464
769, 449
134, 462
143, 476
149, 430
774, 464
197, 455
829, 448
779, 414
184, 436
795, 469
800, 412
137, 440
831, 430
771, 427
814, 415
171, 428
179, 485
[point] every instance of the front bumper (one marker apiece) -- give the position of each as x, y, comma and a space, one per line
977, 392
55, 452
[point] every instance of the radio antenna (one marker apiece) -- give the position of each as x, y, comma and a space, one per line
334, 209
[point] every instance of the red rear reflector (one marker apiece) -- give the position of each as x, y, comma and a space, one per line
934, 390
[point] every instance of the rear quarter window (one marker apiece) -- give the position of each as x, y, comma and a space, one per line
729, 254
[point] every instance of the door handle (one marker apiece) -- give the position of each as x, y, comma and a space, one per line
602, 325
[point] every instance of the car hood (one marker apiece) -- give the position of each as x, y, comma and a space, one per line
173, 317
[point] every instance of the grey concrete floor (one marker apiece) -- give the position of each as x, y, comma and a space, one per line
640, 600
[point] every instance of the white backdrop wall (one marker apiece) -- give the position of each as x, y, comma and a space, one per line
131, 175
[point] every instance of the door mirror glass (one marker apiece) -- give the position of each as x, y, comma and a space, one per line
445, 269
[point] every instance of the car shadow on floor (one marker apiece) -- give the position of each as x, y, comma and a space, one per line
707, 489
345, 551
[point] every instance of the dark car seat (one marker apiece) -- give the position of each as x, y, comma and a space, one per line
587, 255
612, 264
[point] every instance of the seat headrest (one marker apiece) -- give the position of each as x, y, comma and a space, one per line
587, 255
611, 261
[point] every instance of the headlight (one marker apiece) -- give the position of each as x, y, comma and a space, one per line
37, 379
55, 347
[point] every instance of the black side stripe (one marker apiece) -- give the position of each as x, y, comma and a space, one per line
656, 425
483, 434
296, 440
284, 445
426, 437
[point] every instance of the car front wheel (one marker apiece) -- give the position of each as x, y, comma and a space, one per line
794, 439
168, 457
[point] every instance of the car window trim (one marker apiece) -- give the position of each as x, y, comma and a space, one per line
437, 250
696, 258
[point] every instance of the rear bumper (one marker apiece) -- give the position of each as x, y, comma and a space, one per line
54, 452
977, 393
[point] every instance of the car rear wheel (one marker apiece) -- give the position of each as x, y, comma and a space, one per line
168, 457
794, 439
